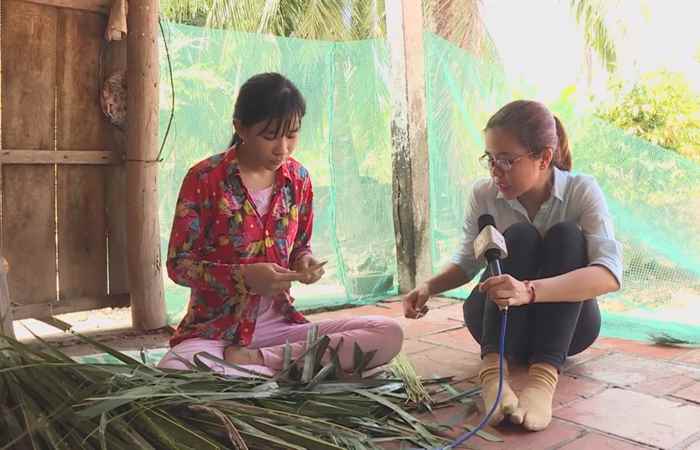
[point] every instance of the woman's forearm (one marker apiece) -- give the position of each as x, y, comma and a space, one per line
451, 277
575, 286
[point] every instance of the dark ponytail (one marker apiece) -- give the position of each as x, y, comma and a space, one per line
267, 97
562, 157
235, 140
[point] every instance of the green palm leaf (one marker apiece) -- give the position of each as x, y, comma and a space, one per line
49, 402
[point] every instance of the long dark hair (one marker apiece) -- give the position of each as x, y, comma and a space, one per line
536, 128
268, 97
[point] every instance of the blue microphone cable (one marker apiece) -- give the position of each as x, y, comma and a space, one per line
501, 351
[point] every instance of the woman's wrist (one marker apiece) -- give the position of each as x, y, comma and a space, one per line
423, 288
531, 291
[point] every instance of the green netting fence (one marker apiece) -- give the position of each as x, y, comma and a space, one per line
653, 193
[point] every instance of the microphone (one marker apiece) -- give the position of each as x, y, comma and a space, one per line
490, 245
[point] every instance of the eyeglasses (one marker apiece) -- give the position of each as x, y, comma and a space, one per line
504, 164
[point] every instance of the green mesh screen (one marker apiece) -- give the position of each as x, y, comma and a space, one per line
654, 195
345, 144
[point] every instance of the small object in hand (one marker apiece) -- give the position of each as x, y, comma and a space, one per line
315, 267
422, 312
308, 274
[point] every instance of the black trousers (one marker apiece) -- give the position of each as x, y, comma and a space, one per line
541, 332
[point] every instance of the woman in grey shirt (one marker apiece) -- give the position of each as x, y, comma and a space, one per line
562, 253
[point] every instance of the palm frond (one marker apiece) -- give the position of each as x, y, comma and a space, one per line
591, 17
50, 402
272, 18
459, 22
235, 14
193, 12
368, 19
667, 340
324, 19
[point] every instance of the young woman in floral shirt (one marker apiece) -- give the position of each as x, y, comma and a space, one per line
241, 235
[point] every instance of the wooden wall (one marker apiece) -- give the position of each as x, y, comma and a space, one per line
62, 179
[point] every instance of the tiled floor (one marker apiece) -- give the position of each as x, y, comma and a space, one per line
618, 395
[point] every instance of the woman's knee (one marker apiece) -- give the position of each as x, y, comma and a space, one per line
523, 242
564, 248
521, 234
564, 233
391, 335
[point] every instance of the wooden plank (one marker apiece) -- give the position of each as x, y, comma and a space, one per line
143, 230
39, 310
85, 157
81, 124
115, 60
82, 233
411, 183
29, 58
98, 6
6, 316
29, 232
28, 92
2, 83
82, 228
116, 205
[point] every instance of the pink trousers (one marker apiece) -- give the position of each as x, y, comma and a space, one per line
369, 332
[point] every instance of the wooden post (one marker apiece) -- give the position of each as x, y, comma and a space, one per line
409, 140
143, 230
6, 327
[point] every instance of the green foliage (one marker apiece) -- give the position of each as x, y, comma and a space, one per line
591, 17
661, 108
458, 21
309, 19
49, 401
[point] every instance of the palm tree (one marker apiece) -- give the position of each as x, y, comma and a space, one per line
591, 16
310, 19
458, 21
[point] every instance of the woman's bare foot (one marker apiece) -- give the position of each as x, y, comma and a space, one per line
243, 356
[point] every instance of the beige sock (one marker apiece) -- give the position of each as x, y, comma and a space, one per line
534, 411
488, 374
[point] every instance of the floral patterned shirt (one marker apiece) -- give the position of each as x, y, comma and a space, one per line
217, 229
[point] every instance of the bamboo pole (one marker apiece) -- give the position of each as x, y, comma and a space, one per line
143, 230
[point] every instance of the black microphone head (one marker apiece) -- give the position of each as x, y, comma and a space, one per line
486, 219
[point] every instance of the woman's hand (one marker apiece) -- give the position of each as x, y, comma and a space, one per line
414, 303
308, 269
268, 278
505, 290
